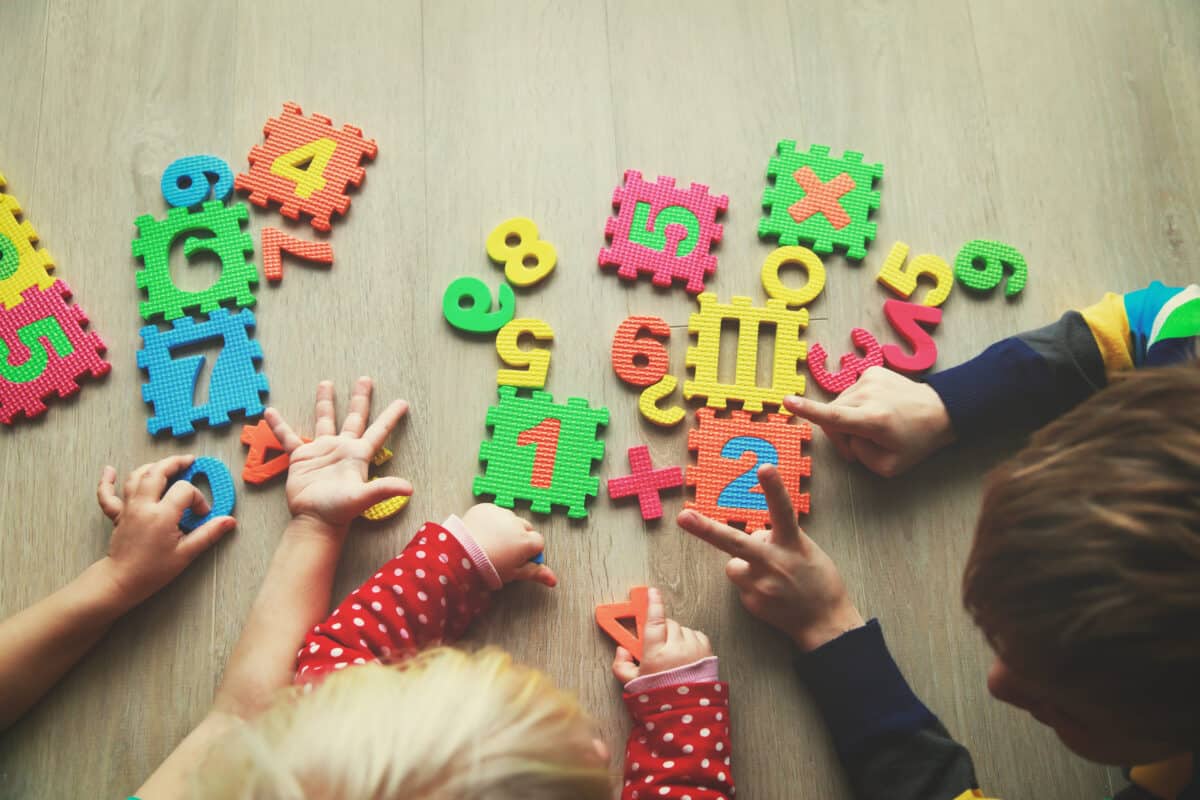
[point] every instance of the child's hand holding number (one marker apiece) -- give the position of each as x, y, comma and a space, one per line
509, 542
665, 644
148, 549
327, 478
783, 577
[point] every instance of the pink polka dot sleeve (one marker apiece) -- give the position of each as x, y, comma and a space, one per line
427, 595
680, 743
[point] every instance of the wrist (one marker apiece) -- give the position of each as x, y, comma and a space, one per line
305, 524
107, 591
941, 427
843, 619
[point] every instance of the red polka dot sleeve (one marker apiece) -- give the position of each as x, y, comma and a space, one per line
427, 595
680, 743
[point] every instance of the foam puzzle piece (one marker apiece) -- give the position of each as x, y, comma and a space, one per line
704, 355
645, 482
306, 166
21, 264
651, 410
663, 231
526, 258
384, 509
542, 452
729, 451
609, 616
902, 278
44, 350
190, 180
906, 320
262, 441
852, 365
786, 256
275, 243
531, 365
996, 257
226, 240
478, 316
819, 200
220, 483
234, 385
629, 347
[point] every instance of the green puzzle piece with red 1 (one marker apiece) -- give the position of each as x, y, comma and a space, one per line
542, 452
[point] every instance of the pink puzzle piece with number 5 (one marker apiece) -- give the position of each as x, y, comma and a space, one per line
852, 366
905, 319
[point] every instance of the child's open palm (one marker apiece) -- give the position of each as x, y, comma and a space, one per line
327, 477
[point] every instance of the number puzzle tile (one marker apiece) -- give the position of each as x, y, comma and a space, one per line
729, 451
819, 200
220, 483
609, 616
189, 181
226, 240
906, 319
651, 410
305, 166
531, 365
275, 243
234, 385
703, 357
44, 350
901, 278
630, 348
852, 365
21, 264
663, 231
981, 264
645, 482
542, 452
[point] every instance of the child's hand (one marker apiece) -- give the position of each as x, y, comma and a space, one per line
327, 478
885, 420
665, 645
148, 549
509, 541
782, 576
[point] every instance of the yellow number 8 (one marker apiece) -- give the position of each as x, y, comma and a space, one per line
526, 258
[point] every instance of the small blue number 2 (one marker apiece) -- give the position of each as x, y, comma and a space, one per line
740, 491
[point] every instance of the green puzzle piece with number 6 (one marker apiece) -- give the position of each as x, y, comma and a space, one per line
225, 239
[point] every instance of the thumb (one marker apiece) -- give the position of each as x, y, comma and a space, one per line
623, 667
656, 618
380, 489
204, 537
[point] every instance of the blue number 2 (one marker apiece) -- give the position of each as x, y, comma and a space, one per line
739, 493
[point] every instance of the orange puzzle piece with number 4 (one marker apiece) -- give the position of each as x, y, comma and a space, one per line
609, 616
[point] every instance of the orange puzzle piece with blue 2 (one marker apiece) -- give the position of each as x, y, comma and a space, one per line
663, 231
729, 451
305, 165
609, 616
44, 350
645, 482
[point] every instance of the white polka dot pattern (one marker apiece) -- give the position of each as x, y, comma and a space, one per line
679, 743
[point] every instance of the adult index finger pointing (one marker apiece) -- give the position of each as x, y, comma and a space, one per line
722, 537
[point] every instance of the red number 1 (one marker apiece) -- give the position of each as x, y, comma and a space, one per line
544, 438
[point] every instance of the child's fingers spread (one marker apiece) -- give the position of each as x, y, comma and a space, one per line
326, 413
204, 537
288, 438
360, 407
106, 494
383, 425
623, 667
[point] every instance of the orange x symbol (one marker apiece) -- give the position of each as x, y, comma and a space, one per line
821, 198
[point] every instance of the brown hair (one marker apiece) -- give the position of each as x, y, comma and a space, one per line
1085, 570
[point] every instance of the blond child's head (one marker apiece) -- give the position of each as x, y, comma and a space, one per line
1085, 571
445, 725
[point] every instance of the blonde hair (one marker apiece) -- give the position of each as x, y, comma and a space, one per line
444, 725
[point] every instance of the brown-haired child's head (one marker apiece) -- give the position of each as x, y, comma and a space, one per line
1085, 571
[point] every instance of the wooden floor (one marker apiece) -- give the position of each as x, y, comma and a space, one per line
1068, 129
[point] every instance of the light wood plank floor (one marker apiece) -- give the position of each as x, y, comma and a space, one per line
1069, 129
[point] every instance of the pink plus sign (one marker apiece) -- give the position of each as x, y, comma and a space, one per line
645, 482
821, 198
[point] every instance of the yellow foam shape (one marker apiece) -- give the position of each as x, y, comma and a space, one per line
527, 261
902, 278
648, 403
311, 178
793, 255
386, 508
535, 363
33, 265
790, 352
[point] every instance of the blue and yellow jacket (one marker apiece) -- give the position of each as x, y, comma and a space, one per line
890, 744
